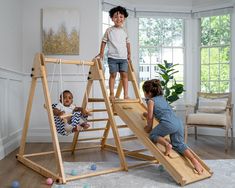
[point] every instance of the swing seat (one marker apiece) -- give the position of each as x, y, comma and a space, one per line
77, 118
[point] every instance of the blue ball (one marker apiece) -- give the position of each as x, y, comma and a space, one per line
161, 168
86, 186
15, 184
74, 172
93, 167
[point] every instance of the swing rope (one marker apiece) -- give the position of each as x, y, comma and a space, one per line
61, 82
84, 80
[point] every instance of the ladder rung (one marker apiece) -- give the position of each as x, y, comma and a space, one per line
95, 100
122, 126
86, 139
98, 110
126, 138
93, 120
93, 129
126, 101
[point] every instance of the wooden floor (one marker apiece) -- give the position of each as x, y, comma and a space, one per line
207, 147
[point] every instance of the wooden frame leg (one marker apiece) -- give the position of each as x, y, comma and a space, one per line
226, 140
195, 132
186, 133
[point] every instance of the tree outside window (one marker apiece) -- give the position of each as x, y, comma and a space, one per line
215, 53
160, 39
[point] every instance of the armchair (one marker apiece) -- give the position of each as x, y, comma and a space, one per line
213, 110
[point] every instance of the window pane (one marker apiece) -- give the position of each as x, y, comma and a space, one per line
214, 87
224, 72
205, 31
204, 73
224, 55
205, 87
215, 30
167, 54
214, 72
177, 32
214, 55
205, 56
224, 87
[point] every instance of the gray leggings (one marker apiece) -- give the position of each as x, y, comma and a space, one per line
175, 131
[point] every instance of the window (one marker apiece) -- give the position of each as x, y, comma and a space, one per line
160, 39
215, 53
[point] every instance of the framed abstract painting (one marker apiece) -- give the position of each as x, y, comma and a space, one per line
60, 31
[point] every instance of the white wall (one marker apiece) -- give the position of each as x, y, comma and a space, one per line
11, 76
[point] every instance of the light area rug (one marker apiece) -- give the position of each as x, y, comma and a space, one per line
151, 176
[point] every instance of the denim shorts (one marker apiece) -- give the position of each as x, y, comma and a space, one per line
117, 65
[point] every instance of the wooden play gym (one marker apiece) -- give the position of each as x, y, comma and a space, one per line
130, 111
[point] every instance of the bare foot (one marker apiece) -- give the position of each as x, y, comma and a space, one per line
111, 98
126, 97
197, 166
168, 149
85, 125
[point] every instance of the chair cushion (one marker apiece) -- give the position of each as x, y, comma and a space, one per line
207, 119
210, 105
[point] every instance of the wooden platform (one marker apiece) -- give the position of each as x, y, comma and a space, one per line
176, 165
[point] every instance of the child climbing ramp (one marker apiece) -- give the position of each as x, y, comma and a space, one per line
180, 168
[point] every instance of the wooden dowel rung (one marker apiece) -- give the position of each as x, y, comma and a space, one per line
143, 164
126, 101
93, 129
64, 150
122, 126
63, 61
95, 100
126, 138
93, 120
72, 178
98, 110
84, 148
86, 139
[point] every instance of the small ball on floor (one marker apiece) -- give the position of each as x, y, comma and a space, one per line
74, 172
161, 168
49, 181
93, 167
15, 184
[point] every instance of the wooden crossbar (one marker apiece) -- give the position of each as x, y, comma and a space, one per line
64, 150
63, 61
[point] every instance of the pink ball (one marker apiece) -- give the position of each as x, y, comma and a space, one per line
49, 181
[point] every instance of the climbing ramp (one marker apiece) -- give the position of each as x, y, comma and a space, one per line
176, 165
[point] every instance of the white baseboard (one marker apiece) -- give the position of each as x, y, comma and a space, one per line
9, 146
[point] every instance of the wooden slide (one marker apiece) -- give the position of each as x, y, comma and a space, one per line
176, 165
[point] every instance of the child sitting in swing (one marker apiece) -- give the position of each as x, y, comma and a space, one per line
76, 118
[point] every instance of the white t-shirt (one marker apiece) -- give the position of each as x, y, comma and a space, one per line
66, 109
116, 39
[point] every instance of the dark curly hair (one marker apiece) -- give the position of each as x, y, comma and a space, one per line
119, 9
153, 86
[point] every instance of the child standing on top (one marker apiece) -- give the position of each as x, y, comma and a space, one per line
119, 52
169, 123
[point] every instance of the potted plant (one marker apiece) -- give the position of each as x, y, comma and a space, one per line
171, 88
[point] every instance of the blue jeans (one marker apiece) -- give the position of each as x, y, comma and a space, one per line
117, 65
